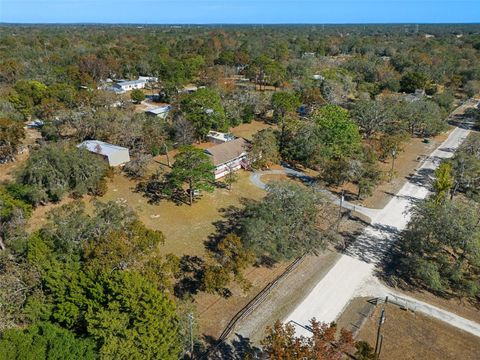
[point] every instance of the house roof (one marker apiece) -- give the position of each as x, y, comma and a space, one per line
159, 110
130, 82
100, 147
220, 136
227, 151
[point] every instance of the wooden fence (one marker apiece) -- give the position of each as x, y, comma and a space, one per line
252, 305
258, 299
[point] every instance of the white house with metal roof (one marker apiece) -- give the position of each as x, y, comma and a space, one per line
115, 155
123, 86
159, 111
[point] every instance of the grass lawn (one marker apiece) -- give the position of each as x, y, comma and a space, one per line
185, 227
410, 335
248, 130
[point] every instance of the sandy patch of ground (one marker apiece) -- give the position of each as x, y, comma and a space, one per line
284, 297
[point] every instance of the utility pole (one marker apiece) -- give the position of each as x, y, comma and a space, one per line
394, 155
342, 198
379, 348
379, 341
166, 153
190, 326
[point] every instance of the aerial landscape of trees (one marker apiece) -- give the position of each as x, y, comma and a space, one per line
84, 277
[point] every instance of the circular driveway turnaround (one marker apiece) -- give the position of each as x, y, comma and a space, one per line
256, 179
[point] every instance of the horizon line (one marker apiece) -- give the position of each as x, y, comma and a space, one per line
238, 23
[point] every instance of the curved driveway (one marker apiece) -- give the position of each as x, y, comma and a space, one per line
256, 179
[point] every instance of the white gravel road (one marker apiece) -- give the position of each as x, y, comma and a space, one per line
354, 270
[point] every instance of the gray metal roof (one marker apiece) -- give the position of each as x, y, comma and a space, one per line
131, 82
100, 147
159, 110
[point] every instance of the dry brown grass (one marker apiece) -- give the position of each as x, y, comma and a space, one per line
215, 312
185, 227
248, 130
415, 336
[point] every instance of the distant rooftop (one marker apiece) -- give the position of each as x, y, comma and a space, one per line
215, 135
159, 110
131, 82
100, 147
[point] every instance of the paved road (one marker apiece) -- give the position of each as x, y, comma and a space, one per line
256, 179
355, 269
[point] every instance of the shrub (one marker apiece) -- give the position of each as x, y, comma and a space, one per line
55, 171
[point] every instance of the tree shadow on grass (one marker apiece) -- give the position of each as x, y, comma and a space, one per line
156, 191
305, 179
190, 282
390, 271
239, 348
228, 224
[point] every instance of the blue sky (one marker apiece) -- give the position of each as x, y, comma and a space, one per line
239, 11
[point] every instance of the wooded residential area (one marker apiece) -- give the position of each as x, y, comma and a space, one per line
110, 250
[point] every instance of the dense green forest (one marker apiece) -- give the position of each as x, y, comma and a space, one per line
341, 99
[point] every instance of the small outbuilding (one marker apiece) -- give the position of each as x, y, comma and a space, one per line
148, 79
115, 155
218, 137
160, 111
228, 156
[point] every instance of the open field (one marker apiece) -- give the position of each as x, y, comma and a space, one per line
185, 227
410, 335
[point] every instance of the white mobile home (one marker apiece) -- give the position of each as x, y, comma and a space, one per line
115, 155
123, 86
